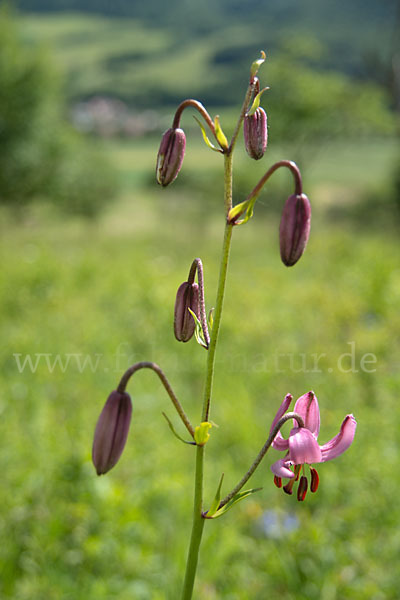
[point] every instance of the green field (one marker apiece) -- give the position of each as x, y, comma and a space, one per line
103, 292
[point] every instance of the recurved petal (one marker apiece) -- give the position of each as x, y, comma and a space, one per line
339, 444
281, 469
279, 442
303, 447
307, 407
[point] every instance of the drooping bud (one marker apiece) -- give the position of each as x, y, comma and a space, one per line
256, 133
187, 297
170, 156
302, 489
111, 431
294, 229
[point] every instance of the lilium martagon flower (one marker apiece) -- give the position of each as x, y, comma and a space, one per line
302, 446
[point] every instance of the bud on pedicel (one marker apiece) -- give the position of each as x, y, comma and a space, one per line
294, 229
111, 431
256, 133
170, 156
187, 297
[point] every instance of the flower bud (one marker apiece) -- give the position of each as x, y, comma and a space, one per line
294, 229
187, 297
170, 156
111, 431
256, 133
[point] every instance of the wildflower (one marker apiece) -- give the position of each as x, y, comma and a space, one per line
302, 446
111, 431
170, 156
294, 228
256, 133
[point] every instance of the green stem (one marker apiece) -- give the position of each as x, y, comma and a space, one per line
198, 519
217, 321
197, 527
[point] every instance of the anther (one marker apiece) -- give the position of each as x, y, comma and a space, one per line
302, 489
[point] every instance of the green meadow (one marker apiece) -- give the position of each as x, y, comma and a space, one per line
81, 300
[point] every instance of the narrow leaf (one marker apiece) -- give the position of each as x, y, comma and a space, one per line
240, 496
199, 330
207, 141
214, 506
257, 64
174, 432
219, 134
237, 211
256, 102
249, 211
244, 207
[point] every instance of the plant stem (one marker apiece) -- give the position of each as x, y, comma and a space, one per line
154, 367
217, 320
289, 164
261, 454
197, 527
198, 519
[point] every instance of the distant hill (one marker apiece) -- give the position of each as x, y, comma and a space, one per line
325, 59
348, 29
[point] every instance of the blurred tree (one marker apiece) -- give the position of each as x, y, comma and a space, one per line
40, 155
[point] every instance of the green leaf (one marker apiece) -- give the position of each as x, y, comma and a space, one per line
246, 207
201, 435
249, 211
257, 64
240, 496
237, 211
207, 141
174, 432
198, 332
219, 134
256, 102
214, 506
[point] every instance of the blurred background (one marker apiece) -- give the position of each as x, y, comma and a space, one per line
92, 252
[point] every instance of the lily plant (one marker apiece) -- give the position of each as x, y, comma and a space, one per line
301, 448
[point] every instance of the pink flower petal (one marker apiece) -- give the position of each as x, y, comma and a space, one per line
307, 407
279, 442
281, 469
341, 441
303, 447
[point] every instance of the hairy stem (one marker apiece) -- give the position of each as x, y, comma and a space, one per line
197, 527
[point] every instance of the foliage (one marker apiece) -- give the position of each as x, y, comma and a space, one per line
40, 155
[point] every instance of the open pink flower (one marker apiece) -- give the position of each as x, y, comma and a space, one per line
302, 446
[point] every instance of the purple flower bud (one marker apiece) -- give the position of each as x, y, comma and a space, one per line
294, 228
111, 431
187, 297
256, 133
170, 156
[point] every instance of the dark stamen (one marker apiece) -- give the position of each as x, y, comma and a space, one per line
278, 481
302, 489
314, 479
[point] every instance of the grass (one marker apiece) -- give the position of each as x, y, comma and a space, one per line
105, 290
